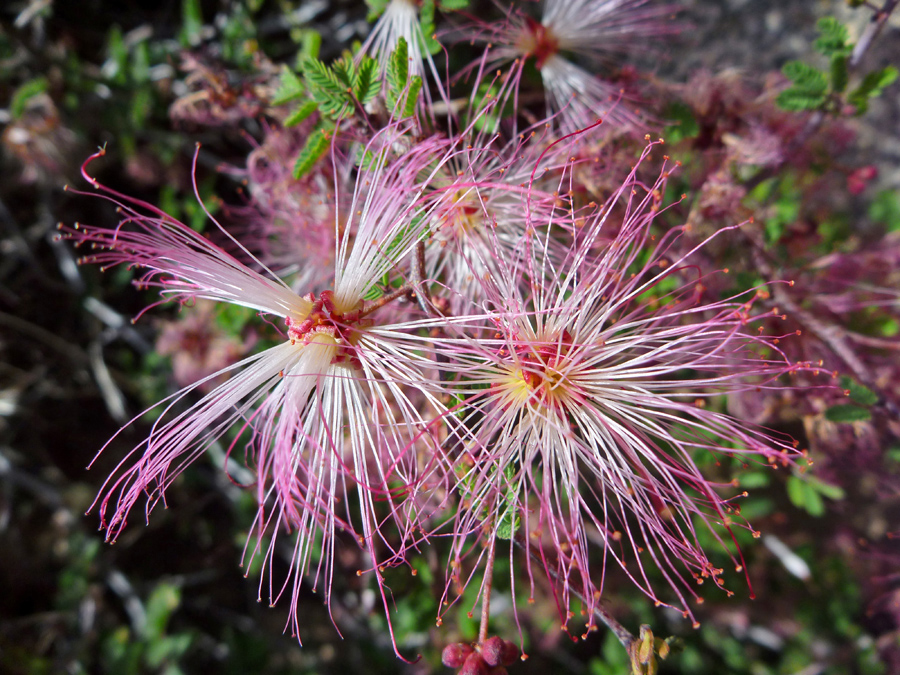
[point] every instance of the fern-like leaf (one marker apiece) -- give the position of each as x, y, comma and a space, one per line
289, 89
316, 145
301, 113
366, 85
833, 36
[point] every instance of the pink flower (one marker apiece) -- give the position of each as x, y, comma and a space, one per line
595, 380
331, 417
596, 30
480, 215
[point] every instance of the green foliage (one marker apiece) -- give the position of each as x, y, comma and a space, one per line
872, 86
857, 392
833, 37
614, 659
426, 21
402, 90
305, 109
239, 40
806, 493
366, 84
682, 123
885, 209
327, 87
411, 97
755, 479
163, 600
376, 8
232, 319
839, 73
809, 89
508, 522
116, 66
317, 143
310, 43
847, 414
191, 23
787, 197
153, 650
812, 89
398, 69
290, 88
25, 93
336, 88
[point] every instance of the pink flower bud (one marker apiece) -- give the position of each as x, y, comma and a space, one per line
455, 655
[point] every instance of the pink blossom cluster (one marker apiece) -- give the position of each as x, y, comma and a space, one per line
477, 343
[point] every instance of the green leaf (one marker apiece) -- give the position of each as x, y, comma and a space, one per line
509, 521
426, 22
805, 496
805, 77
191, 23
412, 96
317, 144
321, 78
845, 414
366, 85
170, 648
163, 601
376, 8
834, 492
795, 100
140, 63
368, 160
833, 36
345, 71
373, 294
839, 74
858, 392
306, 109
754, 479
24, 93
453, 5
885, 209
233, 318
398, 68
326, 86
116, 67
403, 91
872, 86
310, 43
289, 89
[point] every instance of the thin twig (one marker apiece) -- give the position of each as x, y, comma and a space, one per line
486, 593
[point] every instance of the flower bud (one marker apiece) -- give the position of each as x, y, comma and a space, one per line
491, 650
455, 655
474, 665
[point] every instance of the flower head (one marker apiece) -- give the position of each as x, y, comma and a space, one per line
592, 30
332, 416
593, 386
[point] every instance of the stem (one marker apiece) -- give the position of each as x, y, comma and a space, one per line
876, 24
417, 281
486, 593
370, 306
